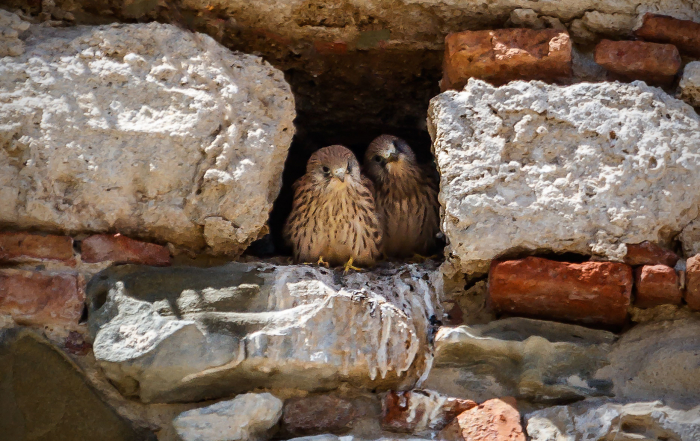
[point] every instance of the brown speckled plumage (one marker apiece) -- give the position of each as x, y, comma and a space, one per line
333, 213
406, 195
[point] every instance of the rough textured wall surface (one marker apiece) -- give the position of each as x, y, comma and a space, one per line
403, 23
361, 63
187, 334
142, 129
584, 168
318, 352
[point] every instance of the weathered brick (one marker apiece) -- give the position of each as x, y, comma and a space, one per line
684, 34
638, 60
692, 282
589, 292
36, 298
317, 414
26, 247
493, 420
331, 47
415, 411
503, 55
656, 285
121, 249
649, 253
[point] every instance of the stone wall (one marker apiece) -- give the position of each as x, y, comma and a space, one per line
141, 163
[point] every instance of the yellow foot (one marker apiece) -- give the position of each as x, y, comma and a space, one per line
420, 259
322, 262
348, 267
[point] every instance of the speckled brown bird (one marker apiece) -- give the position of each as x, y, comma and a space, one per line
333, 216
406, 194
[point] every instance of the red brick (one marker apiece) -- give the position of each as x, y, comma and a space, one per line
503, 55
649, 253
638, 60
331, 48
589, 292
692, 282
317, 414
121, 249
415, 411
684, 34
26, 247
656, 285
36, 298
493, 420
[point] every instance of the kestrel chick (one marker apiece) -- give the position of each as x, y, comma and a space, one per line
406, 195
333, 213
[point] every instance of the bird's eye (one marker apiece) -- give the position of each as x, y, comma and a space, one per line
349, 168
326, 170
377, 158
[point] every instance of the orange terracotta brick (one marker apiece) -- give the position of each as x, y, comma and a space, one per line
36, 298
638, 60
26, 247
589, 292
656, 285
503, 55
121, 249
493, 420
684, 34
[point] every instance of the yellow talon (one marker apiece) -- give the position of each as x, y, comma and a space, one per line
322, 262
348, 267
420, 259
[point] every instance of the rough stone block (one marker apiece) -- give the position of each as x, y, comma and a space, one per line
689, 86
638, 60
692, 282
419, 411
607, 420
649, 253
26, 247
656, 285
533, 360
187, 334
168, 135
496, 419
10, 27
43, 395
589, 292
684, 34
585, 168
656, 359
121, 249
246, 417
503, 55
37, 298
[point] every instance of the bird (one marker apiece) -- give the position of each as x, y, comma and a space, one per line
333, 219
406, 195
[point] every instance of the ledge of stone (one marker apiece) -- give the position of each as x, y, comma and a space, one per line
184, 334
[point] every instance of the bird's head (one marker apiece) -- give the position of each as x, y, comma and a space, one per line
334, 166
388, 156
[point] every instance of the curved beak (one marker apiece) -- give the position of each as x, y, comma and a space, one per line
393, 156
340, 174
